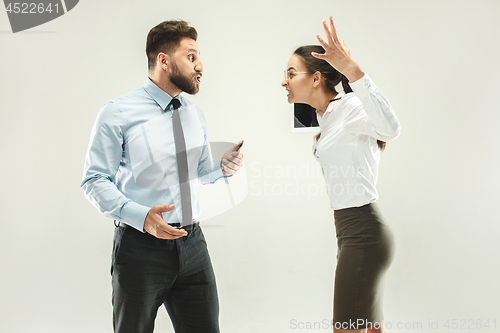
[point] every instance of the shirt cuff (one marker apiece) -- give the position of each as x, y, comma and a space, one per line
363, 87
218, 174
135, 215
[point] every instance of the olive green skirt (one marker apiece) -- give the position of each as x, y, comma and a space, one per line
365, 252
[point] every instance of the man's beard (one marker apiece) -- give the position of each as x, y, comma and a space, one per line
184, 82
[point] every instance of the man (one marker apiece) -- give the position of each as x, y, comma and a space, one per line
147, 151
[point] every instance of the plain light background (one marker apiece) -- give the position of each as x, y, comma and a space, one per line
274, 253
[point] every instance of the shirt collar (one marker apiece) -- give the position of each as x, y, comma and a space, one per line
332, 103
161, 97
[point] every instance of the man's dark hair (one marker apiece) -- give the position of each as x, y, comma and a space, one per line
166, 37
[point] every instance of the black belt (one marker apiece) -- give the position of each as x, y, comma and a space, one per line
189, 228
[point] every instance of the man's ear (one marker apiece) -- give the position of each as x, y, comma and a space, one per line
163, 61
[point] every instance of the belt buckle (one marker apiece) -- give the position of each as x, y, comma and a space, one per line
189, 228
192, 228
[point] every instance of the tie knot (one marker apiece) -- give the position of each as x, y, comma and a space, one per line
175, 103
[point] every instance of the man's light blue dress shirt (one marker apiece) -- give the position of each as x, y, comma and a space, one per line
131, 160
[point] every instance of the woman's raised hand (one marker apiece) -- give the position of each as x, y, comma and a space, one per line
338, 54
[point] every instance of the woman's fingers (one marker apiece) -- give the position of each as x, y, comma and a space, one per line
333, 30
337, 54
323, 43
328, 34
333, 43
317, 55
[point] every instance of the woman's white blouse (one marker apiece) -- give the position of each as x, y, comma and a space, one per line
347, 148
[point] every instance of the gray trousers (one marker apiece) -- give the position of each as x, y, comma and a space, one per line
148, 272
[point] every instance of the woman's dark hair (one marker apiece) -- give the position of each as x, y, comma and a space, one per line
166, 37
331, 75
313, 65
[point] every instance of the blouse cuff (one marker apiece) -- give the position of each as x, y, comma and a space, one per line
363, 87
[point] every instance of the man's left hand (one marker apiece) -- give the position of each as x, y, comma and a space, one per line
231, 161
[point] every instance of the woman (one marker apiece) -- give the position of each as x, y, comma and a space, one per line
354, 127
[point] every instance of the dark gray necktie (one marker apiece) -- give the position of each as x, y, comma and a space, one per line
182, 165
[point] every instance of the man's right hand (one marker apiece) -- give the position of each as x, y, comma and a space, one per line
156, 226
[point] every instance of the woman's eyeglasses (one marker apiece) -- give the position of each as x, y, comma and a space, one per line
289, 74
